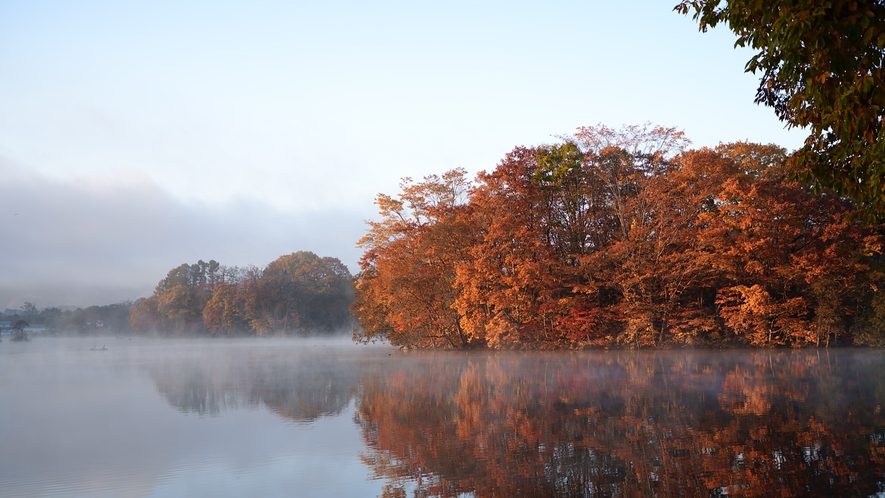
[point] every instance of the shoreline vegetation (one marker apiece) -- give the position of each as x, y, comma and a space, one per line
296, 294
112, 319
621, 238
608, 239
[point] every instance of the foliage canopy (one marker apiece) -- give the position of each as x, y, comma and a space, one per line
297, 293
822, 69
621, 237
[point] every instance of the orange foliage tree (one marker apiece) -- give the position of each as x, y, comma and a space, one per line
795, 266
178, 300
405, 290
621, 237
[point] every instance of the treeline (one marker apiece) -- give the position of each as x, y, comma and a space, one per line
621, 238
108, 319
296, 294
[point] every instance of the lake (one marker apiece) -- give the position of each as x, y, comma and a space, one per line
324, 417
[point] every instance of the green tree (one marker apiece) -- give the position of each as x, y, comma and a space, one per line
51, 318
822, 69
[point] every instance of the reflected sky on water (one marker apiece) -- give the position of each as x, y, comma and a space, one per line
329, 418
158, 418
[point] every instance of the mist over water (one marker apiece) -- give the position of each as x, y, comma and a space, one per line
159, 417
325, 417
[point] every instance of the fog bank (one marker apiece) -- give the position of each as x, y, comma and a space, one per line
104, 239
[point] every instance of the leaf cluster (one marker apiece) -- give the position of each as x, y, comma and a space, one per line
821, 66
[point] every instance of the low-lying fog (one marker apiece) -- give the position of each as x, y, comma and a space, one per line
145, 418
326, 417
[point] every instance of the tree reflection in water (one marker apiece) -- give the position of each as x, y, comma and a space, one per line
301, 387
627, 424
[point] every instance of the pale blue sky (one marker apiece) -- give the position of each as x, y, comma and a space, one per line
256, 120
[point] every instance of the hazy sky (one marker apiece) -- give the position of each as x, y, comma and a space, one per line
137, 136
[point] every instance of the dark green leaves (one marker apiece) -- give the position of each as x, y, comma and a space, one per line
822, 70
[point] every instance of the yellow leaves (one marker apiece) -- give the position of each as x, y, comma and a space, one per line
174, 302
872, 246
501, 332
754, 267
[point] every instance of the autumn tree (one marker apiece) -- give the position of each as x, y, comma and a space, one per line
182, 295
822, 69
793, 266
531, 219
297, 293
176, 306
631, 167
144, 316
300, 292
225, 312
405, 290
548, 218
656, 265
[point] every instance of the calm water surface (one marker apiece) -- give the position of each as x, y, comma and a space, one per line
326, 418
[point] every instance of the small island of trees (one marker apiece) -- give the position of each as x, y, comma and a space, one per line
622, 238
296, 294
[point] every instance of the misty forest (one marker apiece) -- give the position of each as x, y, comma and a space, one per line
297, 294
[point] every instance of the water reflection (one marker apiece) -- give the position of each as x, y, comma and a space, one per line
629, 424
301, 385
181, 418
537, 424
